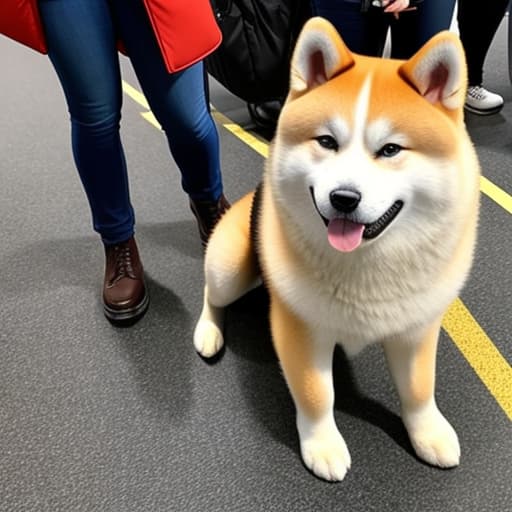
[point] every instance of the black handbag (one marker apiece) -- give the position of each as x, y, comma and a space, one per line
253, 59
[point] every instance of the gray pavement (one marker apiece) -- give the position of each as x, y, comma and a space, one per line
97, 418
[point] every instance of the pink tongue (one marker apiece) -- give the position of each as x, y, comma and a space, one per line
344, 235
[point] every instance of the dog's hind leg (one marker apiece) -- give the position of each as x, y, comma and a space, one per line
306, 360
412, 364
230, 272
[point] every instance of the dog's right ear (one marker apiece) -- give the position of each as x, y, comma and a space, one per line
319, 55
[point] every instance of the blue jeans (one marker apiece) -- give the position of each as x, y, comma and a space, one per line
81, 37
365, 33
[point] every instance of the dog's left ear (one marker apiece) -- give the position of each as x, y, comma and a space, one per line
319, 55
438, 71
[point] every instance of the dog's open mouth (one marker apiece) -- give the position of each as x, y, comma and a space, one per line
374, 229
346, 235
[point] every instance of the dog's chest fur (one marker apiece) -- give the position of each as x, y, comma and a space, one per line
358, 299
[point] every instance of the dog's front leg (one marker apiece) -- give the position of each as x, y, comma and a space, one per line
412, 364
307, 365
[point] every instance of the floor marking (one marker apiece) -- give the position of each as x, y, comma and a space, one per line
487, 187
259, 145
472, 341
497, 194
488, 363
135, 95
150, 118
139, 98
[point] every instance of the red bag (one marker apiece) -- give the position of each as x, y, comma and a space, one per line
19, 20
185, 30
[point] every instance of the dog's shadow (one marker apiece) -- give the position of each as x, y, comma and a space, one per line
247, 335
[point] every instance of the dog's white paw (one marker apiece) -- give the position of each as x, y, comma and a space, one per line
434, 440
327, 457
208, 338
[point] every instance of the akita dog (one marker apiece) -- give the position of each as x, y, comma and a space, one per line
363, 231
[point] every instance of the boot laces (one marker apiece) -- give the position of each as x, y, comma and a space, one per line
123, 262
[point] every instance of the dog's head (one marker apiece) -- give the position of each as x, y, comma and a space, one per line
368, 147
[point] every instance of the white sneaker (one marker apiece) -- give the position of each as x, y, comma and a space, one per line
481, 101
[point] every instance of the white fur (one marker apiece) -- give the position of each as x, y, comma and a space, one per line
208, 338
432, 437
322, 447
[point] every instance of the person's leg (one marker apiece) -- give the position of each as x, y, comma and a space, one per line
477, 28
433, 17
363, 33
414, 28
82, 48
178, 101
404, 36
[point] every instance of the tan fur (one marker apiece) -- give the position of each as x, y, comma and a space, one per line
415, 375
293, 345
392, 289
232, 255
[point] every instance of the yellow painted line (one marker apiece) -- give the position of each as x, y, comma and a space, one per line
256, 144
259, 145
497, 194
135, 95
474, 344
139, 98
492, 368
150, 118
491, 190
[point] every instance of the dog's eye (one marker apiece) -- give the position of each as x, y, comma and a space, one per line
327, 142
389, 150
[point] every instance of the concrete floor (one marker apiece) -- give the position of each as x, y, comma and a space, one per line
94, 417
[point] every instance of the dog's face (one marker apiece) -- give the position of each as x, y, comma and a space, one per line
369, 147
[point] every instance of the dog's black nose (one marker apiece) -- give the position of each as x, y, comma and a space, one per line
344, 200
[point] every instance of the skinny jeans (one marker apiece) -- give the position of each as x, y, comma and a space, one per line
365, 32
82, 40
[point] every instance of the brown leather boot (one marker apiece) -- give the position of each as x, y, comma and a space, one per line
125, 298
207, 214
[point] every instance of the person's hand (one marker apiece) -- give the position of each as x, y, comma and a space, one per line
395, 7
